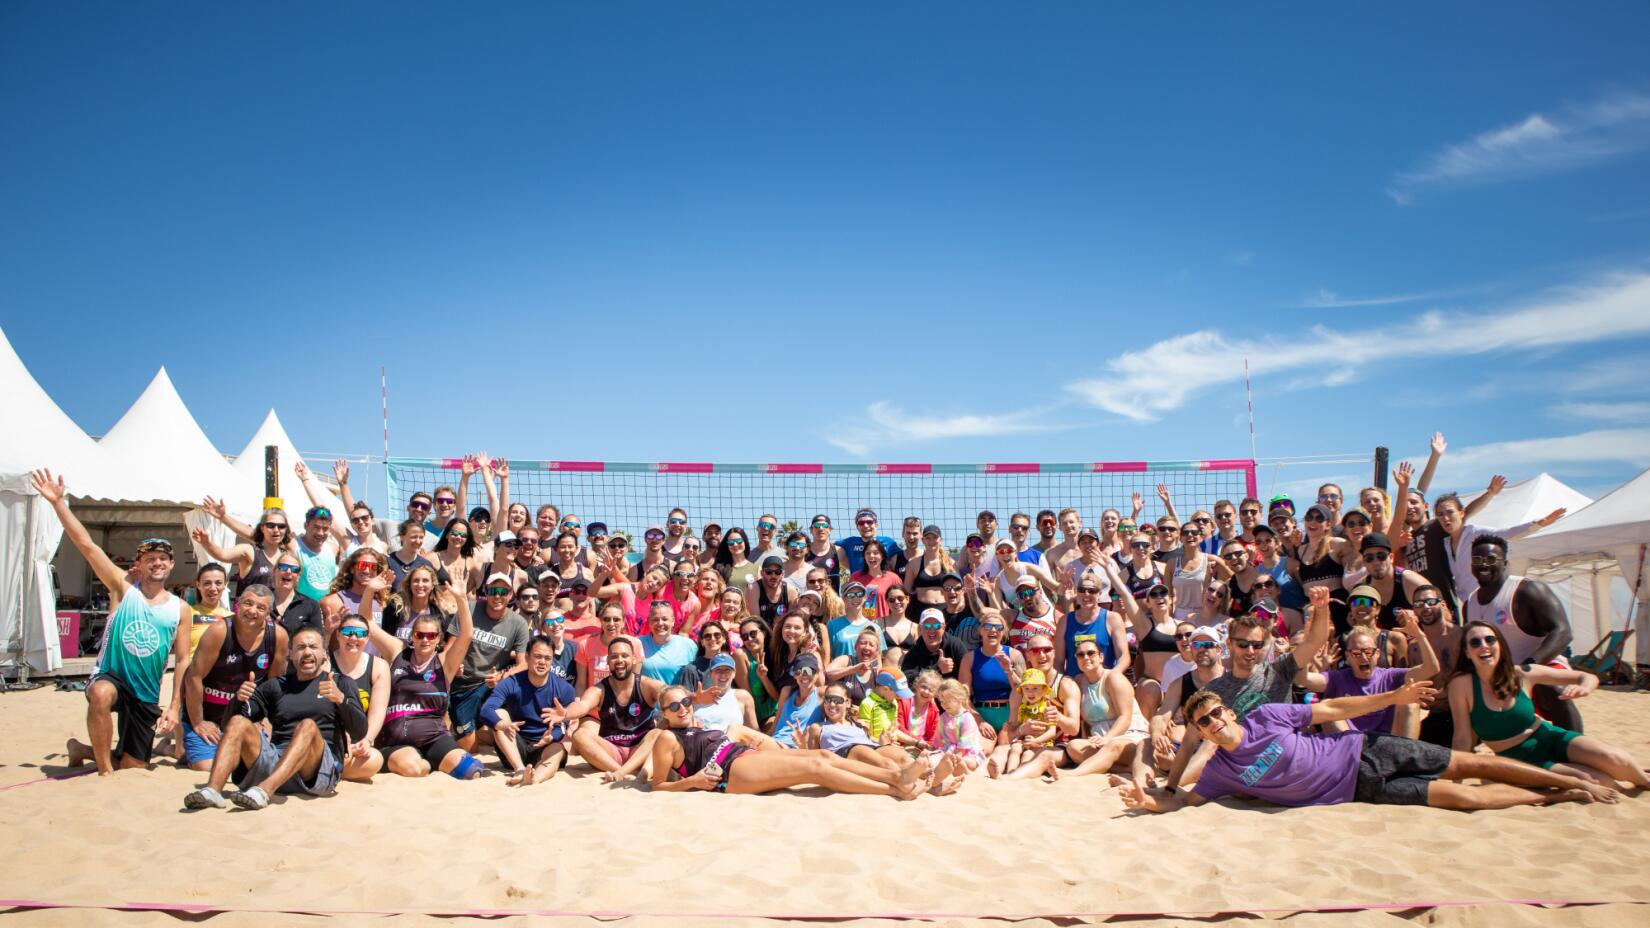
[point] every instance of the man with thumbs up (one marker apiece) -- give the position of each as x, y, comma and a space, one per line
309, 715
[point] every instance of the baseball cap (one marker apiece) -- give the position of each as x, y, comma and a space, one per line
931, 529
720, 661
1375, 540
851, 587
501, 577
505, 537
1206, 632
931, 615
596, 528
1025, 580
481, 512
1088, 533
1003, 542
894, 683
804, 662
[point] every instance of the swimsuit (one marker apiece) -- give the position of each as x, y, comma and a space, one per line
1547, 745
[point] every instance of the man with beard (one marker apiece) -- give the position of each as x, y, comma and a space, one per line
1362, 677
624, 703
248, 646
310, 711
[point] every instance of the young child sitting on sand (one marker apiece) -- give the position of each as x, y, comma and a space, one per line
1034, 707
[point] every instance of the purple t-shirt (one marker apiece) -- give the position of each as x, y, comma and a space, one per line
1343, 682
1280, 763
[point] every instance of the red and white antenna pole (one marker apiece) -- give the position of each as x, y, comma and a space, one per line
384, 397
1248, 394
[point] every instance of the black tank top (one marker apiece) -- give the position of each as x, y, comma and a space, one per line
828, 562
624, 724
927, 581
700, 746
262, 571
772, 611
1157, 641
1399, 600
418, 702
1188, 688
1137, 584
363, 683
229, 672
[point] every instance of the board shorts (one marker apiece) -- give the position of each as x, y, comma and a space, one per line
134, 720
324, 783
464, 708
1396, 771
195, 748
1547, 746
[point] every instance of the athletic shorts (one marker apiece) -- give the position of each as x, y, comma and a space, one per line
134, 721
433, 751
324, 783
195, 748
1549, 745
464, 708
1395, 771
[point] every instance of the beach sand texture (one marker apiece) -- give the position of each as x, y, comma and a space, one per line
996, 850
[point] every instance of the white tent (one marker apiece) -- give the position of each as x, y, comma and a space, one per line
249, 468
39, 435
1610, 538
159, 440
1528, 500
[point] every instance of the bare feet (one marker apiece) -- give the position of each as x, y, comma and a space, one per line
522, 777
948, 786
78, 753
991, 768
1602, 793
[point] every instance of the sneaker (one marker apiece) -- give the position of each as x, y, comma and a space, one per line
204, 798
250, 799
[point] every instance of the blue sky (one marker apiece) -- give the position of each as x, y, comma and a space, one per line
916, 232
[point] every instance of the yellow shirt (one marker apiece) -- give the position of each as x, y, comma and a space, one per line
202, 621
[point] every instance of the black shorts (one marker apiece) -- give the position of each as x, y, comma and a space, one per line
134, 720
1438, 728
433, 750
1395, 771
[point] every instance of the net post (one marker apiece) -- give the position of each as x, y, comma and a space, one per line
1250, 481
272, 476
1380, 467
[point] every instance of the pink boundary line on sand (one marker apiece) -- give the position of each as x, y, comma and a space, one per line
202, 908
38, 780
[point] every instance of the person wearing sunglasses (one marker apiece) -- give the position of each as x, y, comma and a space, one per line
1036, 615
1193, 570
1201, 649
575, 605
354, 661
1319, 559
481, 533
799, 567
591, 659
1140, 570
1274, 577
254, 562
529, 604
415, 739
1530, 618
293, 609
420, 594
1252, 680
624, 704
531, 748
1091, 621
497, 649
1491, 698
248, 645
1041, 721
935, 649
867, 524
1151, 620
1443, 634
1367, 672
753, 642
1115, 730
991, 671
455, 556
676, 534
363, 585
1270, 754
312, 713
653, 554
822, 552
733, 560
685, 757
925, 574
767, 544
359, 529
770, 597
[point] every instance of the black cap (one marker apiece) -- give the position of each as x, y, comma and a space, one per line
1375, 540
773, 560
1263, 527
481, 512
596, 528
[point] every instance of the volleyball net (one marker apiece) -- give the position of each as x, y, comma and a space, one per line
629, 497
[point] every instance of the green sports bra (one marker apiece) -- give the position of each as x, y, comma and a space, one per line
1493, 725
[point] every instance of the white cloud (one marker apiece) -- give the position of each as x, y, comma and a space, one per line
883, 424
1609, 127
1143, 385
1603, 412
1588, 452
1329, 299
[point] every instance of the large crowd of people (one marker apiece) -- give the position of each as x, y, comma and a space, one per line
1370, 648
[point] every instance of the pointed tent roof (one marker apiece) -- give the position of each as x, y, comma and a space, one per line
249, 467
1620, 518
39, 434
160, 441
1528, 500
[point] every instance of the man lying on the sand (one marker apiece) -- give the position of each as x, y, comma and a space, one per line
1270, 755
687, 757
309, 711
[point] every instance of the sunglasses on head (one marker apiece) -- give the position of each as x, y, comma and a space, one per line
353, 631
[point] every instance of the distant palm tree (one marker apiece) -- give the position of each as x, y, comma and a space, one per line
791, 525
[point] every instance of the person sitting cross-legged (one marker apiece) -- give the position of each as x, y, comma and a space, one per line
310, 710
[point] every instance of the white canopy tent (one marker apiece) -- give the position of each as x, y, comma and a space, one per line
1604, 541
249, 468
40, 435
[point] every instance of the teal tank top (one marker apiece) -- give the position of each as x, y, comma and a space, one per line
137, 643
319, 569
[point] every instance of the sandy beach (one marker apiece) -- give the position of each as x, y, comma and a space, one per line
1032, 852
